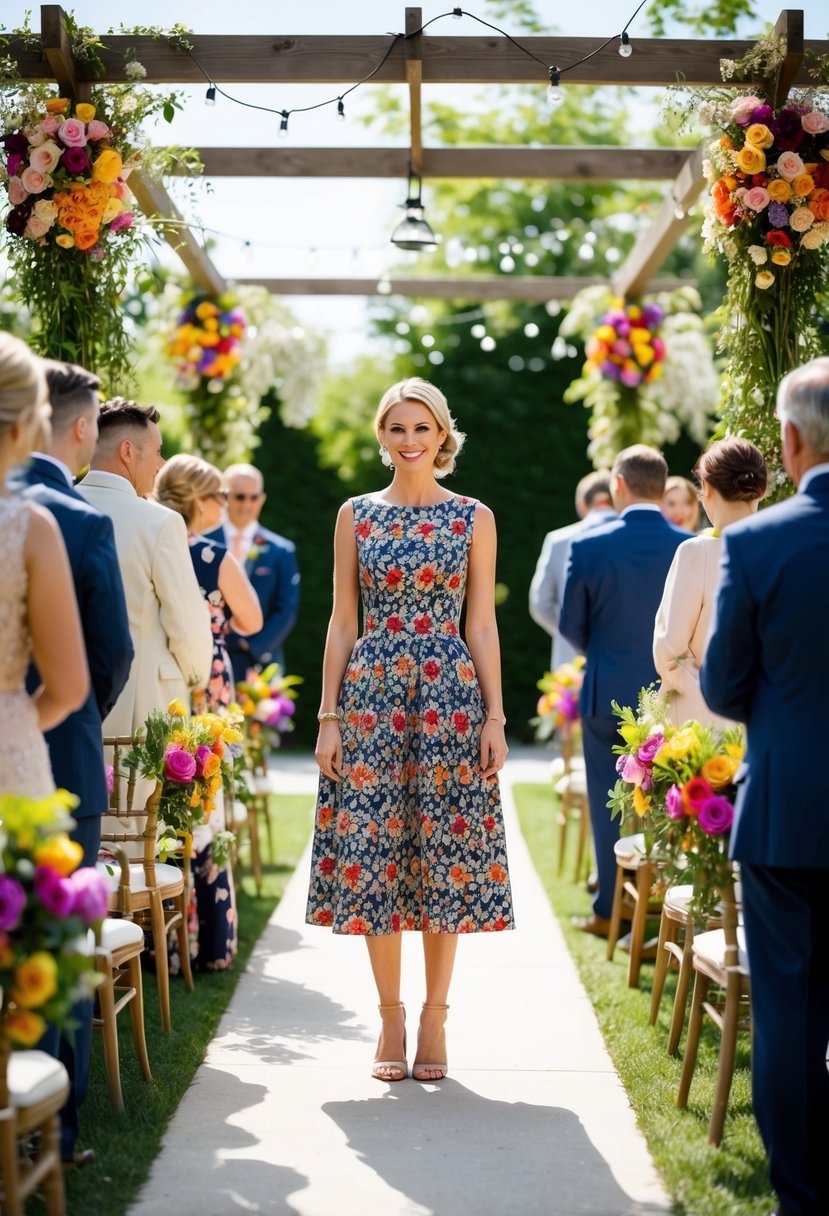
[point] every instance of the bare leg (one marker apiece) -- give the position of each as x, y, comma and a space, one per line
384, 956
439, 951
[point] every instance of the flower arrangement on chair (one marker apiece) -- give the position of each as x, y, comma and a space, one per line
678, 783
46, 906
558, 706
268, 702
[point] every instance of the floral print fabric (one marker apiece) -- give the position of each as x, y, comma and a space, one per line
207, 557
411, 838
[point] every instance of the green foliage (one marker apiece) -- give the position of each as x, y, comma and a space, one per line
718, 18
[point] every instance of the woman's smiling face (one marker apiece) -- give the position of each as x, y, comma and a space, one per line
411, 435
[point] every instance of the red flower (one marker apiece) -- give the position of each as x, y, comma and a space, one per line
499, 924
324, 916
326, 866
395, 922
370, 623
363, 529
449, 627
431, 669
422, 624
391, 871
394, 578
760, 179
394, 623
430, 720
398, 721
458, 526
426, 529
368, 722
454, 582
461, 722
459, 826
352, 873
489, 823
776, 237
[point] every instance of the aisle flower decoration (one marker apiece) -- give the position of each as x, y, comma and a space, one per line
558, 706
268, 702
648, 372
47, 905
677, 784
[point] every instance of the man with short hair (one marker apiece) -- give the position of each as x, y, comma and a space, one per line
614, 586
75, 746
271, 565
766, 665
168, 616
594, 508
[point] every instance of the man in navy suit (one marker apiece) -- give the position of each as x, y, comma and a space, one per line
767, 665
271, 565
614, 585
75, 746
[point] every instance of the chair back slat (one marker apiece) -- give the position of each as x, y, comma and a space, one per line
730, 920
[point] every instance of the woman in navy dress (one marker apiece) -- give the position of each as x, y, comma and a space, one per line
409, 833
193, 487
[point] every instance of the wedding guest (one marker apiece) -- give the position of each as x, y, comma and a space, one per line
766, 666
409, 833
614, 583
193, 488
594, 508
75, 745
732, 476
270, 563
680, 504
36, 576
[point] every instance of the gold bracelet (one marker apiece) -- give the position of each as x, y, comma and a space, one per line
496, 718
328, 717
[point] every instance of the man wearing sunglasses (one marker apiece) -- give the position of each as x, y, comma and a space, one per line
271, 565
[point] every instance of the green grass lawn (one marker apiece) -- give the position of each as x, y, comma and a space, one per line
701, 1180
126, 1144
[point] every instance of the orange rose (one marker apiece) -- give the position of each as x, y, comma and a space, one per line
804, 185
59, 853
779, 190
722, 203
57, 105
86, 238
212, 765
819, 204
719, 770
22, 1026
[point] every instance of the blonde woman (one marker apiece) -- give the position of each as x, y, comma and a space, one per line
38, 612
680, 504
409, 834
193, 487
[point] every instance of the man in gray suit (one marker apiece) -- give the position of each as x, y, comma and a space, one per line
594, 507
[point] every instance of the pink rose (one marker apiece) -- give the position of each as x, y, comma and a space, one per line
55, 892
757, 199
36, 228
72, 133
743, 108
124, 220
46, 157
49, 125
34, 181
17, 192
90, 890
179, 766
815, 122
97, 130
12, 902
201, 758
790, 166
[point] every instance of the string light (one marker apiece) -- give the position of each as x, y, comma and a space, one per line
283, 126
555, 93
625, 47
210, 95
340, 110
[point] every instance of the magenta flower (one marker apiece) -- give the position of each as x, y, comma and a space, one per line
674, 806
650, 747
13, 163
122, 220
90, 891
716, 815
55, 892
179, 765
12, 902
110, 772
201, 758
75, 160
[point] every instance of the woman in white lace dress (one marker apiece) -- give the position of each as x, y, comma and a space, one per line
38, 611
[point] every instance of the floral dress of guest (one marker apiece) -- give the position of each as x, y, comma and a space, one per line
24, 757
411, 838
217, 931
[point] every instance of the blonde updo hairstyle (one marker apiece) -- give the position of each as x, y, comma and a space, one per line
422, 391
22, 383
182, 480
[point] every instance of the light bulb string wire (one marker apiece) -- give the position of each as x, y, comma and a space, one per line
395, 39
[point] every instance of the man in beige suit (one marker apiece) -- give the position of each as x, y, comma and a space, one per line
168, 616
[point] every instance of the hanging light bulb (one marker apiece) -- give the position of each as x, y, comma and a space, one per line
457, 13
210, 95
384, 285
679, 212
283, 125
625, 46
340, 110
413, 232
555, 93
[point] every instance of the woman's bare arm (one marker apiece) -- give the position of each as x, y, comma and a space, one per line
482, 638
240, 597
340, 639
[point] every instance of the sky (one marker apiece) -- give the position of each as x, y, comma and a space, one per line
305, 227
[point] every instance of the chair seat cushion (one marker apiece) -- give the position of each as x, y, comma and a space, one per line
630, 847
166, 875
679, 897
711, 946
34, 1077
262, 783
117, 933
239, 812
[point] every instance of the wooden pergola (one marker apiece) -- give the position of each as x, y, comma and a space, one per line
418, 60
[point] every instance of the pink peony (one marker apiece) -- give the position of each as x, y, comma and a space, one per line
674, 806
757, 199
179, 765
46, 157
124, 220
97, 130
55, 892
790, 166
634, 772
90, 891
49, 125
72, 133
12, 902
716, 815
34, 181
743, 108
815, 122
17, 192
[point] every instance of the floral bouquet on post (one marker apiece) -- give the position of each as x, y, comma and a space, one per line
558, 706
678, 784
267, 699
46, 907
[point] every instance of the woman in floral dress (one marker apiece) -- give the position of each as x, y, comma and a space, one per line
409, 833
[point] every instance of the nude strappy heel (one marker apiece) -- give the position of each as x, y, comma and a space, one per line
397, 1070
442, 1069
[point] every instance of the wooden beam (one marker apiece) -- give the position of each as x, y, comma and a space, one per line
58, 53
331, 59
658, 240
592, 163
789, 25
535, 288
414, 78
156, 203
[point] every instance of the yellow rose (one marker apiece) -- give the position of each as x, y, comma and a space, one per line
231, 735
641, 802
759, 136
177, 708
736, 751
65, 241
764, 280
781, 257
779, 190
84, 111
59, 853
803, 185
35, 981
195, 798
25, 1028
751, 159
719, 771
108, 166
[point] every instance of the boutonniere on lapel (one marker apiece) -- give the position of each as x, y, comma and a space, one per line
259, 546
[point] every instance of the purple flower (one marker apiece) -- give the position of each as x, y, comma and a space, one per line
179, 766
778, 214
13, 163
75, 160
18, 218
110, 775
286, 706
761, 114
674, 806
716, 815
650, 747
16, 143
90, 891
12, 902
787, 130
631, 377
609, 370
201, 758
652, 315
54, 891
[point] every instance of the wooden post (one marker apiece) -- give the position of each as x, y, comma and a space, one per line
790, 25
414, 78
58, 52
155, 202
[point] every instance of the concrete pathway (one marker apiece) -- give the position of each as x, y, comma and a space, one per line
283, 1117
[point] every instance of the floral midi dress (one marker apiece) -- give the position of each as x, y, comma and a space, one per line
412, 837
